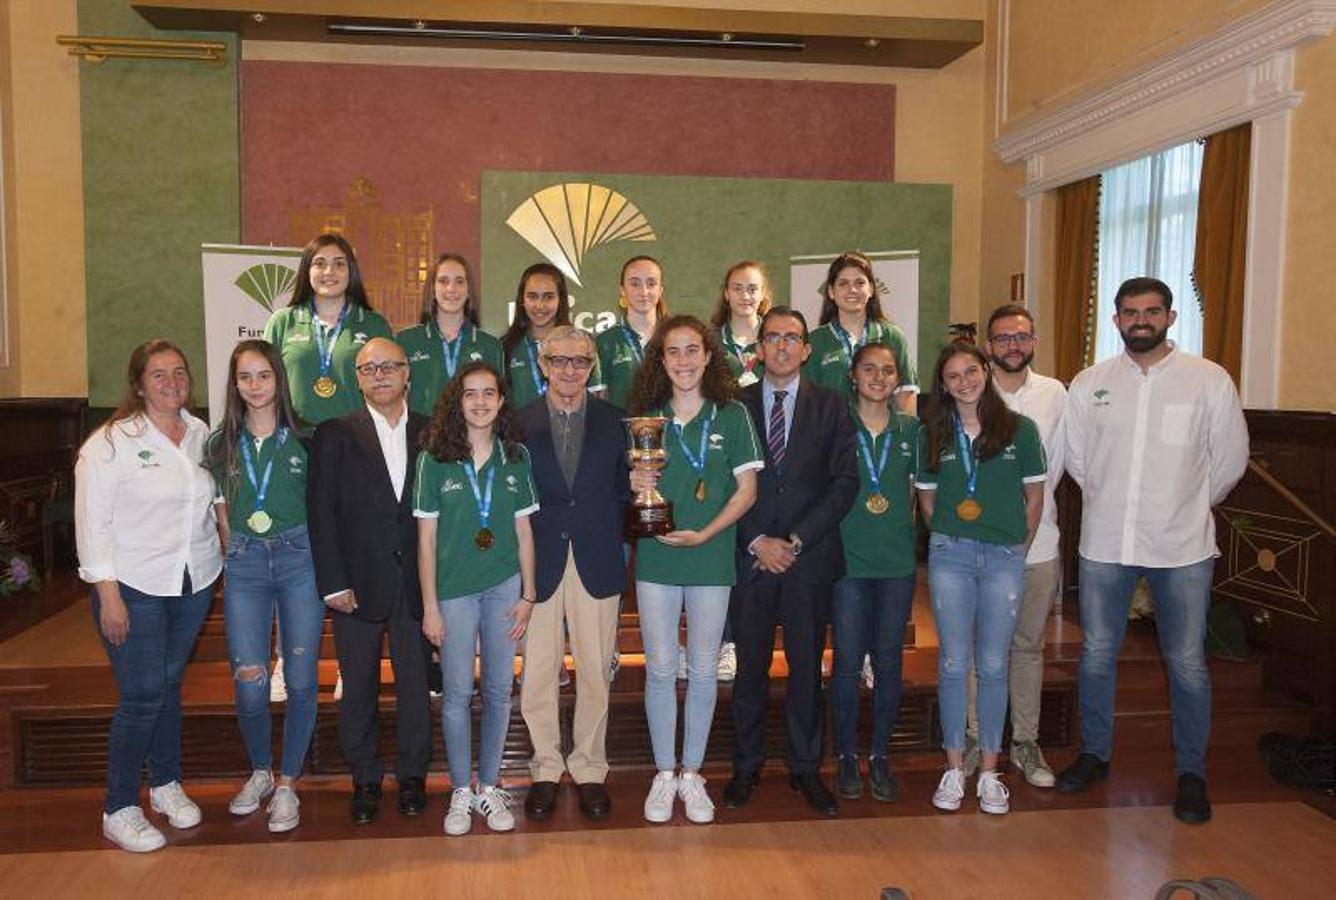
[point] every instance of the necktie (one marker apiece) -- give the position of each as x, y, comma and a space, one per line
775, 433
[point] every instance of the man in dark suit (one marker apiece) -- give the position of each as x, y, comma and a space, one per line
577, 448
789, 557
364, 541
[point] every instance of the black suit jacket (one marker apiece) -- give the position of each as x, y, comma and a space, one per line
813, 491
587, 516
361, 536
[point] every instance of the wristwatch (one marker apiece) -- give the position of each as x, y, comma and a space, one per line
797, 543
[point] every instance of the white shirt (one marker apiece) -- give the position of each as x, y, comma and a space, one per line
1153, 453
144, 508
1043, 399
394, 445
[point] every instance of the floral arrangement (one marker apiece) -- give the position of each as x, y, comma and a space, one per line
17, 572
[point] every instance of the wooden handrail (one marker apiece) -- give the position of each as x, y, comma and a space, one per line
1276, 485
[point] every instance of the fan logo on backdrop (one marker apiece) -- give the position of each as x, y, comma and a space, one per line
266, 284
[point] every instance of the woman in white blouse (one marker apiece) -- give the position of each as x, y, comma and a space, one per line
148, 543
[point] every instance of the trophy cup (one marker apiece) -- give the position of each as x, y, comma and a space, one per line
649, 513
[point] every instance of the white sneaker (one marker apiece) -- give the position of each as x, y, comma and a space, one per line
282, 809
278, 687
728, 661
459, 817
494, 803
869, 678
993, 794
338, 687
252, 793
171, 801
699, 806
1026, 756
662, 792
681, 663
950, 790
128, 829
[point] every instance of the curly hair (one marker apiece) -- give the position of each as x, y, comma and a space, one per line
653, 389
997, 423
447, 437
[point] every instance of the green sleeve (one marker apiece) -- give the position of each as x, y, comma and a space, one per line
603, 349
895, 339
491, 352
276, 326
596, 371
426, 486
743, 447
376, 326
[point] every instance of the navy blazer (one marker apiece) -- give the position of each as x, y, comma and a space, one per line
587, 516
813, 491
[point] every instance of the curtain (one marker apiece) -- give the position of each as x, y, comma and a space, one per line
1222, 245
1148, 226
1074, 285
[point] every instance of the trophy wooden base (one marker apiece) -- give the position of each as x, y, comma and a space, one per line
648, 521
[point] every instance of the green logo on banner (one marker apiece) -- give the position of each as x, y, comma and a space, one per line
565, 221
265, 283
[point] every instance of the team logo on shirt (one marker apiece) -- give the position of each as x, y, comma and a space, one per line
475, 356
451, 484
512, 484
295, 465
716, 441
1101, 397
297, 337
1009, 451
147, 459
834, 357
419, 356
359, 337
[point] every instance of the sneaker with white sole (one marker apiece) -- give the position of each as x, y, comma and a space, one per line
459, 817
283, 810
278, 686
494, 803
728, 661
950, 790
252, 793
699, 807
659, 802
170, 799
128, 829
993, 794
1029, 759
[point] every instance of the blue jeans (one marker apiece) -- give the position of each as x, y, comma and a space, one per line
148, 667
1182, 598
264, 573
869, 617
976, 595
660, 607
477, 621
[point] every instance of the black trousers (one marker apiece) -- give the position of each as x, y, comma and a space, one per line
803, 610
357, 644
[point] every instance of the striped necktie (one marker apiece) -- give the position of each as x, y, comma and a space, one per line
775, 433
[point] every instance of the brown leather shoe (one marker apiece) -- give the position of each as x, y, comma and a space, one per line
541, 801
595, 802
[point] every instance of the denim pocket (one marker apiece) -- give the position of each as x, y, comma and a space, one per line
936, 540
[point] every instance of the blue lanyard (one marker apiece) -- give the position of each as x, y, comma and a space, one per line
326, 352
865, 444
726, 333
483, 498
633, 341
968, 460
696, 463
531, 349
451, 358
847, 342
262, 485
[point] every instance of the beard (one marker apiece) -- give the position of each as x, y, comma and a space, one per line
1141, 343
1006, 366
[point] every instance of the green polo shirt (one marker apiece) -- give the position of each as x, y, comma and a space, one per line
619, 357
442, 492
523, 376
426, 359
743, 360
1000, 488
731, 447
291, 330
828, 365
286, 500
883, 546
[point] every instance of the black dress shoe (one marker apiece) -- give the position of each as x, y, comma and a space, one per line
541, 800
885, 786
815, 793
365, 803
1087, 770
848, 779
595, 802
739, 790
412, 795
1191, 804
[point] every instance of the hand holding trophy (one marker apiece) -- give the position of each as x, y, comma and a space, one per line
649, 513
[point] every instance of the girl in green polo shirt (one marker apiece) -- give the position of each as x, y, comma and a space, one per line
872, 601
744, 297
258, 457
710, 479
980, 480
448, 334
542, 302
851, 316
472, 498
621, 347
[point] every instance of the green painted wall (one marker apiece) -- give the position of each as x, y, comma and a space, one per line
161, 176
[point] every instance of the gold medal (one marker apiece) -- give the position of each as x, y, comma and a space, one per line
969, 509
259, 522
484, 539
877, 504
325, 387
700, 490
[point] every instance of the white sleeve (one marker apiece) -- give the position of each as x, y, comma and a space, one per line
1226, 439
1074, 433
96, 483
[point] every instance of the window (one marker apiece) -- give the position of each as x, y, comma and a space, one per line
1148, 226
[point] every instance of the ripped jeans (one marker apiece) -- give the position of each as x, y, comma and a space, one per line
262, 573
976, 594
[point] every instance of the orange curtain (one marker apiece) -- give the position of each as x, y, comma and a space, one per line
1222, 245
1077, 226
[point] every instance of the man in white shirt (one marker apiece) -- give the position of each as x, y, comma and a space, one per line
1155, 438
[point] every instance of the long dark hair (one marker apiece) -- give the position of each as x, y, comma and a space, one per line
447, 437
132, 401
519, 326
997, 423
653, 389
429, 292
222, 454
723, 312
856, 260
303, 293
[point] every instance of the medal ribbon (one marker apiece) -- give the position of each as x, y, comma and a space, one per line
697, 464
865, 445
967, 459
326, 352
483, 498
726, 333
449, 358
261, 486
633, 341
531, 348
847, 342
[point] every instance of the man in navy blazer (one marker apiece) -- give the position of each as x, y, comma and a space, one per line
789, 557
577, 447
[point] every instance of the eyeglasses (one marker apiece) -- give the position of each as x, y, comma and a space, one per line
1004, 340
788, 338
371, 369
751, 290
578, 363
